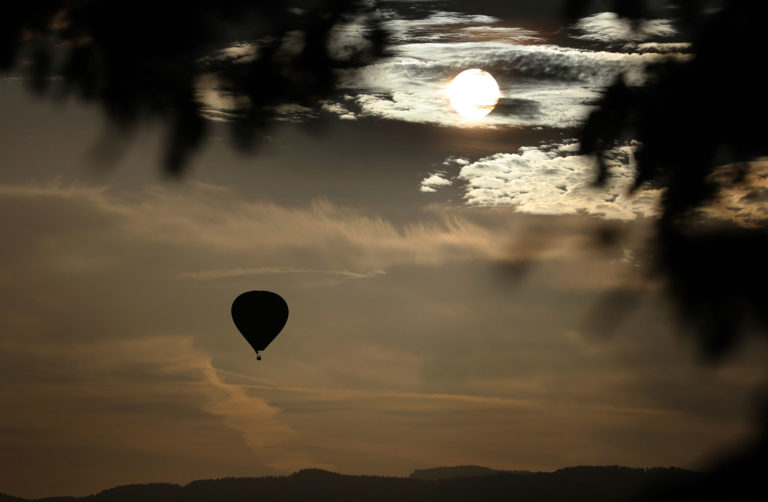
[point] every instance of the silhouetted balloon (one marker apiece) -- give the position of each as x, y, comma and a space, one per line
259, 315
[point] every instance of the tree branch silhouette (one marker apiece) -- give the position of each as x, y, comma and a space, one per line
143, 60
699, 124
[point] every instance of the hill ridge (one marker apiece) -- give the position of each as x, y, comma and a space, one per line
577, 484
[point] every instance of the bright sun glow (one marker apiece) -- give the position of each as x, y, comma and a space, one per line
473, 93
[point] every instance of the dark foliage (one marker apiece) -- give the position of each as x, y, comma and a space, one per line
140, 59
699, 123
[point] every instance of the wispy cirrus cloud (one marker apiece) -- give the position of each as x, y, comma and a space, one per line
660, 47
139, 284
126, 408
242, 272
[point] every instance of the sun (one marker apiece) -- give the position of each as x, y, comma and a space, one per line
473, 93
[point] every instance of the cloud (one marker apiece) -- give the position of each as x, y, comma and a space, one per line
216, 219
123, 410
744, 202
556, 84
216, 103
240, 52
660, 47
608, 27
338, 109
294, 113
553, 179
347, 39
240, 272
509, 33
208, 233
116, 319
433, 182
599, 397
431, 27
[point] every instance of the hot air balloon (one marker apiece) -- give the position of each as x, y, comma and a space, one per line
259, 316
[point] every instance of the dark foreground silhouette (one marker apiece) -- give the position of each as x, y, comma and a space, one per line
695, 126
460, 471
587, 484
142, 61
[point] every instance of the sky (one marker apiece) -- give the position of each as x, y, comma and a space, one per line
443, 276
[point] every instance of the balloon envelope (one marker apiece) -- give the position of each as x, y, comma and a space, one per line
259, 315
